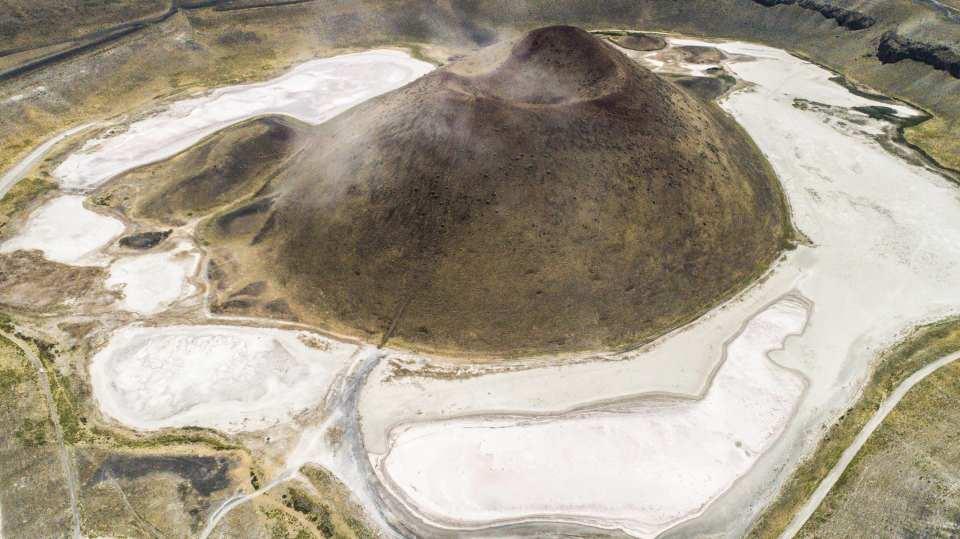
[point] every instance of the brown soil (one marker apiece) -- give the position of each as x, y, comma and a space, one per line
641, 42
31, 283
696, 54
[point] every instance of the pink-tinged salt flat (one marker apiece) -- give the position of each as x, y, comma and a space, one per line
641, 468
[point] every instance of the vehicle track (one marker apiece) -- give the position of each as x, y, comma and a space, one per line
64, 452
95, 40
887, 406
341, 410
16, 173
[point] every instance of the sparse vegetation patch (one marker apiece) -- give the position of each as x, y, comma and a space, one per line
926, 344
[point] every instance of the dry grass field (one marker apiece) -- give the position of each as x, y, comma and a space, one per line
905, 482
926, 344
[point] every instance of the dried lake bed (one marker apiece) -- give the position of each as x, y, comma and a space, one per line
692, 434
312, 92
640, 465
65, 231
150, 378
154, 281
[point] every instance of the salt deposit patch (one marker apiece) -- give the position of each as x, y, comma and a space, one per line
223, 377
152, 282
642, 467
313, 92
66, 232
784, 76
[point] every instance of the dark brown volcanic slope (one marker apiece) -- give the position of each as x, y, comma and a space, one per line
549, 195
231, 165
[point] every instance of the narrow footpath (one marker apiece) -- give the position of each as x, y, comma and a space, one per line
851, 451
66, 459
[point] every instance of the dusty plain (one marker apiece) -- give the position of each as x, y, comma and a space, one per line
880, 222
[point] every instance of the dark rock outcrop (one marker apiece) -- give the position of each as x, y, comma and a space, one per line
144, 240
894, 48
847, 18
641, 42
205, 474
